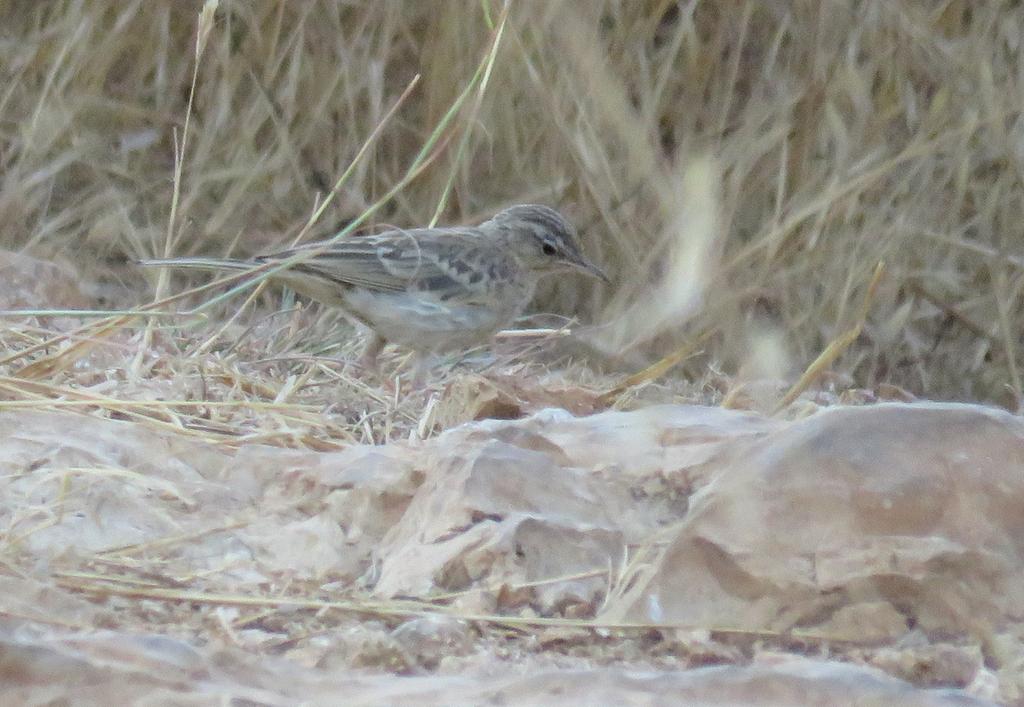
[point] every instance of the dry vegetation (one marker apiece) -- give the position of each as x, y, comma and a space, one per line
742, 169
762, 157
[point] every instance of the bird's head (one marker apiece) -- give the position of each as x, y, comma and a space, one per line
542, 240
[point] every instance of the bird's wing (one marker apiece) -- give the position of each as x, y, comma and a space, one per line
444, 262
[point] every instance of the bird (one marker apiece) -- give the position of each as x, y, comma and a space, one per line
428, 289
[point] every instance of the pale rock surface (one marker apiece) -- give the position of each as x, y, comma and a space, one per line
30, 283
108, 669
889, 538
914, 506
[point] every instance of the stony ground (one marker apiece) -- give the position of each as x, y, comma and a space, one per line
210, 526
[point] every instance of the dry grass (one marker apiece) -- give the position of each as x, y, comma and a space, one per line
740, 167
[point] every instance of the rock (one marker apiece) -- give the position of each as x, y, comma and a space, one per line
30, 283
917, 505
429, 638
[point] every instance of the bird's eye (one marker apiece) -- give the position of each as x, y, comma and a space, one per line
548, 249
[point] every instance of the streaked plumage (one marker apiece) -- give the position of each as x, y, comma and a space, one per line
429, 288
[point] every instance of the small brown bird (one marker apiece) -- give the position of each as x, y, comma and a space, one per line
430, 289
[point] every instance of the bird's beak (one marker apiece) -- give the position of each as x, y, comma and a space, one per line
587, 267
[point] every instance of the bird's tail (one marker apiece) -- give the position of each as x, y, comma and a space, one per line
198, 263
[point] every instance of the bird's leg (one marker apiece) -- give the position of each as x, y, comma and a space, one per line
421, 362
368, 359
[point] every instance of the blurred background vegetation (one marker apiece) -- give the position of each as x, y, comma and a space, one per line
741, 167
